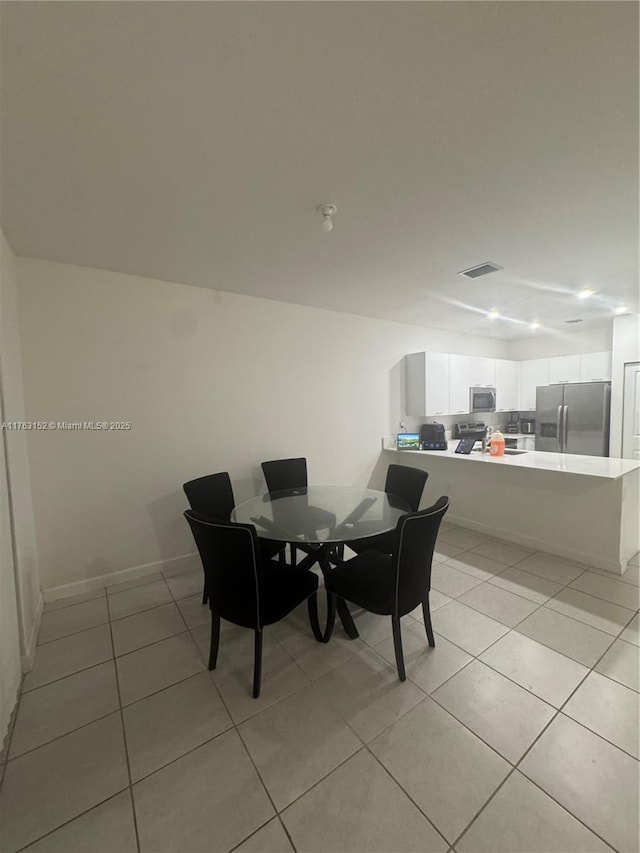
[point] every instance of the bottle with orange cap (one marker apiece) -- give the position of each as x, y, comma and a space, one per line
496, 447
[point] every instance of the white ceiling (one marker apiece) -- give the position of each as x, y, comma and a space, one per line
192, 142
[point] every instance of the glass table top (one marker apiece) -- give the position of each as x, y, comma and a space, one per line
321, 514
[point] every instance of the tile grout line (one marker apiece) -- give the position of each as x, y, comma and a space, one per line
404, 791
516, 565
540, 605
68, 675
473, 657
385, 662
516, 766
124, 733
235, 727
109, 620
511, 629
71, 819
556, 710
364, 746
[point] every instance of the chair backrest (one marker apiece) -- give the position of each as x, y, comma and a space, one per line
406, 483
416, 536
231, 560
283, 474
211, 496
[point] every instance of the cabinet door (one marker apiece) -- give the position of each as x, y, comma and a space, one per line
595, 367
533, 372
507, 385
564, 368
437, 383
459, 382
482, 371
427, 383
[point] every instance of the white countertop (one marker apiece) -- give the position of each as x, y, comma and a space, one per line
591, 466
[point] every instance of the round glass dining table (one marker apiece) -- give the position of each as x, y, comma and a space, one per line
321, 514
316, 519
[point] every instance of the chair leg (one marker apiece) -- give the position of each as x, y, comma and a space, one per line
293, 554
312, 607
215, 640
397, 645
331, 616
282, 557
257, 663
205, 594
426, 615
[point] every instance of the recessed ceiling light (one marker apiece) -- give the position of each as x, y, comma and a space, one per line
586, 293
493, 314
621, 309
535, 325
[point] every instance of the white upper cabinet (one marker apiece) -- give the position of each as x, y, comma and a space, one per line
482, 371
564, 368
533, 372
507, 385
437, 383
595, 367
459, 382
427, 384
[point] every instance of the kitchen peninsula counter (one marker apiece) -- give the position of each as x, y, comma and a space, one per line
582, 508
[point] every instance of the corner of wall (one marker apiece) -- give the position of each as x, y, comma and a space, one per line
18, 471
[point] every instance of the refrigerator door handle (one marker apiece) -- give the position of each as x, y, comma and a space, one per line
559, 428
565, 427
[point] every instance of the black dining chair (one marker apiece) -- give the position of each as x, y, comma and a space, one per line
402, 482
392, 584
212, 496
284, 475
243, 589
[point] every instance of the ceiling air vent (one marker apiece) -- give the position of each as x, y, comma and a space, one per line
481, 269
573, 321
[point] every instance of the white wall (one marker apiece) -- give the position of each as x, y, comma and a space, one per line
210, 381
626, 348
18, 573
595, 336
10, 668
27, 574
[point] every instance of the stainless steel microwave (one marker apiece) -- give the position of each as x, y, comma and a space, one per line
482, 399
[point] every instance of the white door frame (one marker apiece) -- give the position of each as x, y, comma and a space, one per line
630, 411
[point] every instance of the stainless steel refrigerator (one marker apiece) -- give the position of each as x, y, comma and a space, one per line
573, 418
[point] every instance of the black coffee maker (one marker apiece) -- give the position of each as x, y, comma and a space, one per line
432, 437
514, 423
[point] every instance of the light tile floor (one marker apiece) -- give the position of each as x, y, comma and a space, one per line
518, 732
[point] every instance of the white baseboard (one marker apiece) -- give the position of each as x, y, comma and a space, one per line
533, 544
186, 561
28, 655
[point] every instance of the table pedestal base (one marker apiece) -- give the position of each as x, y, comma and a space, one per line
320, 554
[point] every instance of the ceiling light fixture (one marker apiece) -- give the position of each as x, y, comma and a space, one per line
493, 314
621, 309
327, 211
586, 293
534, 325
